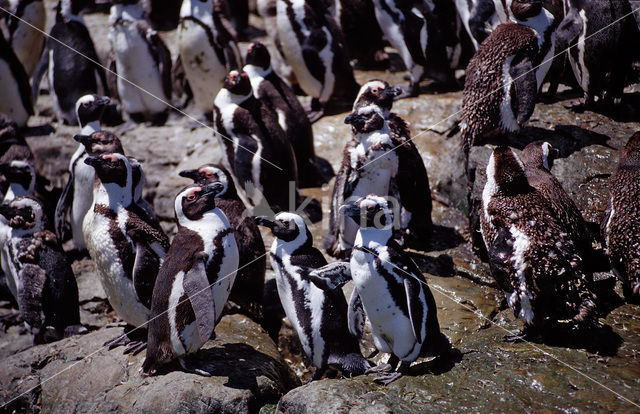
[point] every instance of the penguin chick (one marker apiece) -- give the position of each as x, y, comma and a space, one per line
318, 315
37, 272
194, 281
620, 225
532, 255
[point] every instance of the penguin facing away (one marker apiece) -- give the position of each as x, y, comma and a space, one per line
25, 41
194, 281
317, 313
16, 100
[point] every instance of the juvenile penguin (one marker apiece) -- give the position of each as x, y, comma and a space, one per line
275, 93
248, 289
37, 272
207, 51
620, 225
14, 82
127, 251
318, 315
532, 255
25, 41
194, 281
312, 44
142, 58
369, 165
71, 75
389, 290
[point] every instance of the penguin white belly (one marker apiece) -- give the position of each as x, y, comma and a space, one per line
226, 275
11, 102
10, 272
136, 64
188, 339
27, 42
202, 67
462, 6
576, 56
83, 178
119, 289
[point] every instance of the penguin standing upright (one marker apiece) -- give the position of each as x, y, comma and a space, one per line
26, 41
142, 58
362, 35
13, 147
127, 250
194, 281
312, 44
620, 225
271, 90
38, 274
389, 290
477, 16
71, 73
163, 14
14, 83
21, 177
532, 254
317, 314
207, 51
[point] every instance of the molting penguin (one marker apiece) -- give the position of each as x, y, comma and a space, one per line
369, 166
248, 289
14, 82
207, 51
389, 290
127, 251
25, 41
532, 255
194, 281
312, 44
37, 272
71, 75
142, 58
317, 313
273, 92
620, 225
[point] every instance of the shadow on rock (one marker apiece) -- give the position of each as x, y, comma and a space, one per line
443, 238
439, 266
439, 365
601, 340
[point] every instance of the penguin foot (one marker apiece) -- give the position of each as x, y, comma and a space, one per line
135, 347
387, 379
515, 338
206, 370
315, 111
379, 368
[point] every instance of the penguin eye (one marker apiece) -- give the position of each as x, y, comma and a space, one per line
191, 197
208, 174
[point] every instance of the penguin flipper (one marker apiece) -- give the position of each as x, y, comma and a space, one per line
30, 294
568, 30
196, 286
145, 269
112, 76
62, 208
525, 86
413, 289
312, 59
331, 276
162, 57
41, 69
356, 315
499, 253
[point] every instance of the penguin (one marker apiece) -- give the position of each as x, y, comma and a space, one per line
532, 255
237, 11
26, 41
411, 184
127, 251
194, 281
500, 88
13, 147
248, 289
21, 176
163, 14
14, 82
77, 195
389, 290
620, 226
369, 165
317, 314
71, 73
141, 58
479, 18
412, 29
274, 92
312, 44
37, 272
362, 35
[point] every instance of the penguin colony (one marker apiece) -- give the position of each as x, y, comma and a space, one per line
172, 294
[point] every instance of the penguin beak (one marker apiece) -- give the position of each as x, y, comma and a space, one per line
103, 100
354, 119
193, 174
351, 210
83, 139
212, 189
392, 92
93, 161
265, 222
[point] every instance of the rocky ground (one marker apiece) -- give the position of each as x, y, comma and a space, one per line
599, 372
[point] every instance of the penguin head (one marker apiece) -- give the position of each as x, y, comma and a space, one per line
371, 211
100, 142
630, 155
524, 9
538, 154
238, 83
89, 108
258, 55
505, 173
211, 173
66, 8
24, 213
19, 172
377, 92
366, 119
195, 200
287, 227
111, 168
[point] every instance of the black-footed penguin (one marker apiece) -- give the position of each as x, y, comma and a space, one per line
237, 12
163, 14
274, 92
194, 281
26, 41
142, 58
620, 225
411, 28
369, 166
14, 82
248, 289
21, 177
389, 290
500, 88
71, 75
127, 250
479, 18
13, 147
532, 255
37, 272
318, 315
208, 51
362, 35
312, 44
